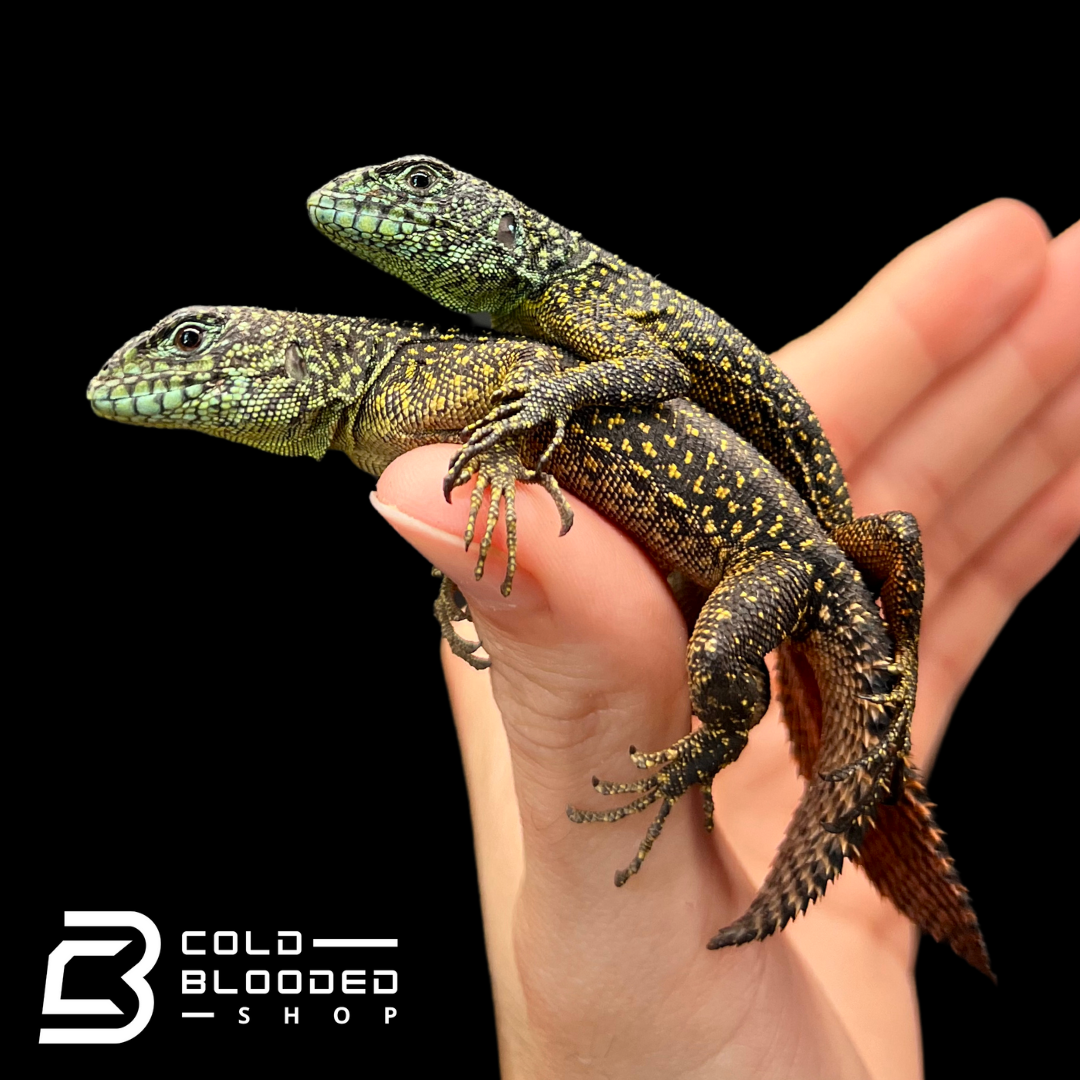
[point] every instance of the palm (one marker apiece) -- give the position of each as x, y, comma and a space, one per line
583, 973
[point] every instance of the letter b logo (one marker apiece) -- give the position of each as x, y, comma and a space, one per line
56, 1004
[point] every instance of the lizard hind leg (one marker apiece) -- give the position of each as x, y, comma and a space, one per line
692, 764
744, 618
888, 548
650, 788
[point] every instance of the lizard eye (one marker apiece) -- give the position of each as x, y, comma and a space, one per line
188, 339
420, 179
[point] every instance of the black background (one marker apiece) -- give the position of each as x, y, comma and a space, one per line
224, 658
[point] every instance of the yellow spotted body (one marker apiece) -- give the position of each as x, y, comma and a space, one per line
754, 569
476, 248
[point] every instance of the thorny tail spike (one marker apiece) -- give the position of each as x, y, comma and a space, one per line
794, 883
903, 853
905, 857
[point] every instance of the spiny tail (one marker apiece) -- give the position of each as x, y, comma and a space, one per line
897, 842
808, 859
905, 856
810, 856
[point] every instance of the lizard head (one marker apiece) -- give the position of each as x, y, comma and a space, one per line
244, 374
461, 241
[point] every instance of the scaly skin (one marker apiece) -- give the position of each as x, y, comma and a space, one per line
475, 248
703, 502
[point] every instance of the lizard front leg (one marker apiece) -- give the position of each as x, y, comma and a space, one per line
498, 468
447, 612
624, 371
538, 400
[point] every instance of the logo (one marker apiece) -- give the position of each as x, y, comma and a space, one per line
55, 1004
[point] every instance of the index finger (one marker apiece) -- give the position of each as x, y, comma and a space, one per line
932, 306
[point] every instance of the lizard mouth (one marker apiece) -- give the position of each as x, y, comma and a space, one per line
138, 399
353, 222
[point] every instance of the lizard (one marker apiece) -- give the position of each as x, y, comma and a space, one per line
702, 501
475, 248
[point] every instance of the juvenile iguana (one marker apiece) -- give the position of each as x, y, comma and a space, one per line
702, 501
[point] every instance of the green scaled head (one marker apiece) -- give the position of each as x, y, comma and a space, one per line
448, 234
272, 379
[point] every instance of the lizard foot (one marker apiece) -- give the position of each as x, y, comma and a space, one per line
883, 763
694, 759
448, 611
895, 742
499, 468
886, 788
520, 409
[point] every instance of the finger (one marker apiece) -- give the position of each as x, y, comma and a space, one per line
1002, 490
975, 413
577, 679
968, 617
931, 307
590, 660
496, 822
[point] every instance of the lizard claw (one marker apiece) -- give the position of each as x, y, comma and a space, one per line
693, 759
448, 611
498, 467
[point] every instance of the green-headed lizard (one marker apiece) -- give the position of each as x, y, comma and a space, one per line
707, 505
475, 248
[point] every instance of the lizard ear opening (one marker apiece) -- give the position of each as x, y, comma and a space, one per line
505, 235
295, 364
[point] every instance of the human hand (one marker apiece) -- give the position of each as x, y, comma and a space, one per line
945, 387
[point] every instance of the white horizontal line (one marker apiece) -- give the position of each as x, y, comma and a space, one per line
196, 1016
355, 942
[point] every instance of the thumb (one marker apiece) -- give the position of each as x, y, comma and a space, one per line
588, 657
